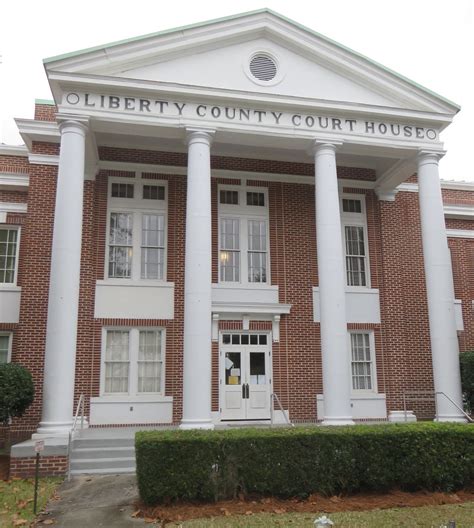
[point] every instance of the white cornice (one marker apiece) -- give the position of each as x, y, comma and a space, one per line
13, 150
460, 233
118, 86
9, 207
251, 308
448, 185
459, 211
14, 181
31, 130
43, 159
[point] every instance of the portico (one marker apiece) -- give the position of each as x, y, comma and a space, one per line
357, 116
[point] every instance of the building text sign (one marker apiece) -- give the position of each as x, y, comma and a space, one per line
232, 114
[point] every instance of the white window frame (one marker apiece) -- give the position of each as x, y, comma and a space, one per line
8, 227
10, 343
373, 366
355, 220
133, 344
136, 206
244, 213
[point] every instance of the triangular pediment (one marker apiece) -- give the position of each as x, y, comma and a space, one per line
217, 54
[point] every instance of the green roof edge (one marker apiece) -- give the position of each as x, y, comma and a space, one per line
45, 102
248, 13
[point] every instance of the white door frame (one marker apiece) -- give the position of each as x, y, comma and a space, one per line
243, 412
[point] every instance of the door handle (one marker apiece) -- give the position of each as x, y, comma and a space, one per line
247, 391
243, 391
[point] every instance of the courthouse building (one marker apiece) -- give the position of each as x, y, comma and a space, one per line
239, 218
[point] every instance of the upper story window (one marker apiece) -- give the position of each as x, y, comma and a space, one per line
354, 226
9, 246
137, 217
243, 236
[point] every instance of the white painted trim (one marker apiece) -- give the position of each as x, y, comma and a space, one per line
12, 181
10, 207
460, 233
14, 150
43, 159
251, 308
408, 187
448, 185
459, 211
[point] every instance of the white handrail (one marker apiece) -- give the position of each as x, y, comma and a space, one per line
417, 395
80, 406
274, 397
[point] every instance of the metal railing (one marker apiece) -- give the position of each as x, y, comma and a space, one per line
80, 407
420, 396
274, 398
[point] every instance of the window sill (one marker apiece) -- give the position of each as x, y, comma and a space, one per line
10, 287
144, 283
245, 285
125, 398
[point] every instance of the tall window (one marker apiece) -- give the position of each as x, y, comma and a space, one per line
137, 230
117, 362
8, 255
354, 225
5, 343
133, 362
243, 236
361, 358
229, 257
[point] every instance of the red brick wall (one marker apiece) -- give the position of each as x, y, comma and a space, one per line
49, 466
396, 266
45, 112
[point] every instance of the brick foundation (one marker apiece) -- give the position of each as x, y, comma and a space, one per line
50, 466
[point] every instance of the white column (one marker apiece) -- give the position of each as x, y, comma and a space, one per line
61, 330
439, 289
197, 285
332, 296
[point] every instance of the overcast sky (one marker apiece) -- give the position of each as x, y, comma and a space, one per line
428, 41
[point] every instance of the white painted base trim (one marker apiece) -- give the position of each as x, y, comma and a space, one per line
196, 424
399, 416
369, 406
340, 420
459, 418
115, 410
51, 429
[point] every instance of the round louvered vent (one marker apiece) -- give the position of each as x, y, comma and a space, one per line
263, 67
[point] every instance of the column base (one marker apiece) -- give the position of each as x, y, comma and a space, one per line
459, 418
338, 420
196, 424
48, 429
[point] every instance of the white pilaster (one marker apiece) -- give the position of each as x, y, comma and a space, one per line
439, 289
197, 285
61, 331
335, 356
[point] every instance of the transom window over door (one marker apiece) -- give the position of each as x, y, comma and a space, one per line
137, 230
243, 236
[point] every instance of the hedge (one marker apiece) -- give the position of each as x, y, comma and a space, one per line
284, 462
467, 377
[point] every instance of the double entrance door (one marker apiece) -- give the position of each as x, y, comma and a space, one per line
245, 376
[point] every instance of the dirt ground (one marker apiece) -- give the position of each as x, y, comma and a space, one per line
360, 502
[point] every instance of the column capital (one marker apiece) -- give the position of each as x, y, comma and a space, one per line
72, 123
199, 135
321, 145
429, 156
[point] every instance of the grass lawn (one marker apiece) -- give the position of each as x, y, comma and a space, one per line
16, 500
424, 516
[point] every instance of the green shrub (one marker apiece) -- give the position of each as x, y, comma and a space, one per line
467, 377
16, 391
212, 465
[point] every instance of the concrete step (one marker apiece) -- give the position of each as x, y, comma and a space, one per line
102, 471
80, 453
87, 464
103, 442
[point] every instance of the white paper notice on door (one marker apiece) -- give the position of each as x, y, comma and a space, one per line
235, 372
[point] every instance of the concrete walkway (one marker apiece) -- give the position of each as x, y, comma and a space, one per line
95, 501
